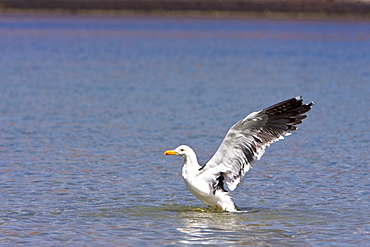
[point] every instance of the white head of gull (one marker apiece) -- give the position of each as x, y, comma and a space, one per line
242, 147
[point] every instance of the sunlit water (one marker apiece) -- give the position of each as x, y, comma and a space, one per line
89, 104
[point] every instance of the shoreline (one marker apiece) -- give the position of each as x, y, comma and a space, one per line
195, 14
311, 9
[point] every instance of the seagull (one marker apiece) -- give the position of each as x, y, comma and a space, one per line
242, 147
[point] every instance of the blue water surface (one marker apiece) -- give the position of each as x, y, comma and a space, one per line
88, 104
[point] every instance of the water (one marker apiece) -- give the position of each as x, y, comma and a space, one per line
89, 104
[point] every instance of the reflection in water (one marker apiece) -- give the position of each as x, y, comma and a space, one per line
228, 228
208, 228
253, 227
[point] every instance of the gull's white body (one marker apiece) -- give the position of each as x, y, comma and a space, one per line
200, 184
242, 147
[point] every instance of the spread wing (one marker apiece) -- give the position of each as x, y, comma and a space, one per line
246, 141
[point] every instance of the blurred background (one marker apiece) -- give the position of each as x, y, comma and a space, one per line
293, 7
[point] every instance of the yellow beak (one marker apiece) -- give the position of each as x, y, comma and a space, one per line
170, 152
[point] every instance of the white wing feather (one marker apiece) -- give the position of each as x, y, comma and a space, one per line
246, 141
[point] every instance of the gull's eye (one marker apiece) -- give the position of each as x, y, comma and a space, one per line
182, 150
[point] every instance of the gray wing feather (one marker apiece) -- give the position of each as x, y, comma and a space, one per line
246, 141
